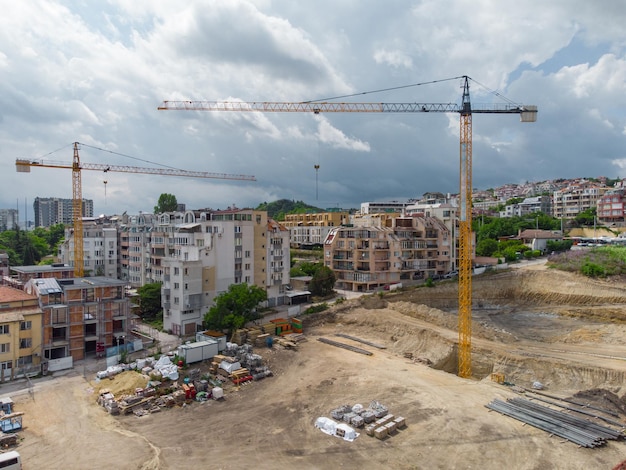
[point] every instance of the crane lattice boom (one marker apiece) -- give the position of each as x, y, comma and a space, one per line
24, 166
334, 107
465, 110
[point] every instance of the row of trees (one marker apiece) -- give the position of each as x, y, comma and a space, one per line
29, 248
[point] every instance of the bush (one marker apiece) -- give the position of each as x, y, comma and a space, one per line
316, 308
590, 269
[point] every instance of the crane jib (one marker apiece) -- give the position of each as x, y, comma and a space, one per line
344, 107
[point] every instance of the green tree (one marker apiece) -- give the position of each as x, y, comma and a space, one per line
487, 247
305, 268
167, 203
235, 307
323, 281
558, 245
586, 217
149, 300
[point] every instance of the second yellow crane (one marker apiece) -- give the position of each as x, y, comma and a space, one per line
24, 166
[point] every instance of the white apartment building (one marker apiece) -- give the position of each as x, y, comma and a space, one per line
388, 206
100, 245
530, 205
208, 252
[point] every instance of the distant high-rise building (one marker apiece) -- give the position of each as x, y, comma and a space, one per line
51, 211
9, 218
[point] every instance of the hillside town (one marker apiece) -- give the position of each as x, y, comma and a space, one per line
197, 254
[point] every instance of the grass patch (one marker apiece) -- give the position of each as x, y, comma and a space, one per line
601, 262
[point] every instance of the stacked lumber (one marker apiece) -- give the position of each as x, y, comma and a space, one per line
7, 440
286, 343
295, 337
261, 340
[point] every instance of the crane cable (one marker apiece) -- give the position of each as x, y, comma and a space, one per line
381, 90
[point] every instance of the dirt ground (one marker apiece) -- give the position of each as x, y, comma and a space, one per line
561, 330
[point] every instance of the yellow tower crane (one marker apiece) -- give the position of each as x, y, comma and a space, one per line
24, 166
465, 110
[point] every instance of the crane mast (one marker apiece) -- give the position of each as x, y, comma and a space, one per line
465, 110
24, 166
77, 215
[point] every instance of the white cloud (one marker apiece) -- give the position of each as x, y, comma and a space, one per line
76, 72
395, 58
336, 138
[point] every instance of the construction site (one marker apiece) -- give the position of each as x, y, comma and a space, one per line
543, 342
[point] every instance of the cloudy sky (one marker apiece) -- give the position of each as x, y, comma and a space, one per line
74, 72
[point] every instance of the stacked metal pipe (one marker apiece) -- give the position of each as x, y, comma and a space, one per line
577, 430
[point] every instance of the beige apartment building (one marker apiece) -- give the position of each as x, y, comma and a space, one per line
568, 202
367, 258
311, 229
20, 334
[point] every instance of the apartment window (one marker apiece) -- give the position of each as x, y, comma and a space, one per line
26, 343
5, 347
247, 279
58, 315
247, 253
6, 365
247, 266
186, 286
4, 329
88, 295
176, 285
25, 360
26, 325
176, 271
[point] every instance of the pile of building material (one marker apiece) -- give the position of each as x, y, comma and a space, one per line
583, 432
332, 428
261, 335
376, 418
345, 346
10, 420
8, 440
240, 364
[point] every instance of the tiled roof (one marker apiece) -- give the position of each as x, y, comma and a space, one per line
10, 294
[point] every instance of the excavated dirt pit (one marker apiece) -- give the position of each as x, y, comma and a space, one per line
561, 330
